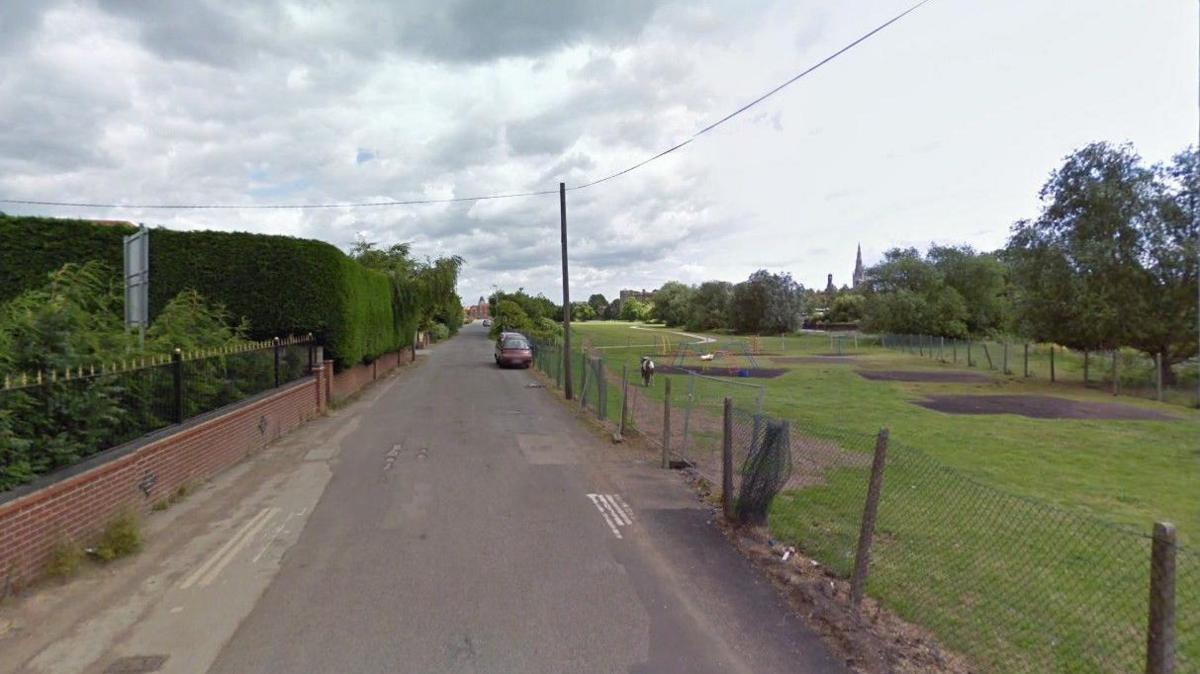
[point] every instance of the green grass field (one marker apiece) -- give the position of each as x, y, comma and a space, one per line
995, 529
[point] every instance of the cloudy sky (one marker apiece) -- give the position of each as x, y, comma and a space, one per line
941, 128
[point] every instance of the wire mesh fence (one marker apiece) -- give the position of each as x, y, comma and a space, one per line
1013, 584
66, 417
1121, 372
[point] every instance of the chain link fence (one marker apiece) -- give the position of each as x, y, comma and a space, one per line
1121, 372
1011, 583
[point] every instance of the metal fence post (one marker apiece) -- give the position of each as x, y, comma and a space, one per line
954, 350
1006, 358
727, 461
276, 349
583, 384
177, 380
1116, 372
1087, 356
1158, 377
1026, 359
969, 363
666, 440
624, 397
1051, 363
942, 348
603, 381
1160, 631
862, 554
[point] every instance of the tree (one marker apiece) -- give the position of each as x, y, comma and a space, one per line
846, 308
981, 279
598, 304
708, 308
671, 303
582, 311
908, 294
635, 310
509, 317
767, 303
1111, 260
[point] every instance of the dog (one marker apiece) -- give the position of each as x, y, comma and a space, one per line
647, 371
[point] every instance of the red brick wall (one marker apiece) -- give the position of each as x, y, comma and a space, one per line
80, 505
350, 381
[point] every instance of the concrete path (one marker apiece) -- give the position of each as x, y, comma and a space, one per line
456, 520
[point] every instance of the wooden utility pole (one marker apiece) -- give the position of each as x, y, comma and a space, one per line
566, 294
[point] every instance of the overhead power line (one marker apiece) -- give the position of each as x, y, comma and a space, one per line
513, 195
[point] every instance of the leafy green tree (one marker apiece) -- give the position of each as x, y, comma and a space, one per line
599, 304
1110, 261
846, 308
582, 311
708, 307
981, 279
635, 310
510, 317
908, 294
767, 303
672, 303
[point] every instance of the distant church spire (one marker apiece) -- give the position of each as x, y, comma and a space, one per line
857, 279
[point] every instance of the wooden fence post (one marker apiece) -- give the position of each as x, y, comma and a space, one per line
862, 554
1160, 631
1158, 374
666, 441
727, 461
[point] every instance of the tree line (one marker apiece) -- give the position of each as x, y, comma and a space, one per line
1110, 262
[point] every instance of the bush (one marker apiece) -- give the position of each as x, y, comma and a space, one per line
122, 536
439, 332
65, 559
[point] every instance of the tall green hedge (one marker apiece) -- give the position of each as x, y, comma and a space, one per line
282, 285
32, 247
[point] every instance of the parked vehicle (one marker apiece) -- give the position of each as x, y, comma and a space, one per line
487, 322
513, 351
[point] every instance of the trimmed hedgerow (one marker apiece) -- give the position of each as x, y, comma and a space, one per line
281, 285
31, 248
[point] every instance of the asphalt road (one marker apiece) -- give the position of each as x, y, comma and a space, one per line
457, 535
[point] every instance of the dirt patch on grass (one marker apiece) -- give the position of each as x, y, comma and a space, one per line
925, 375
814, 360
1040, 407
735, 372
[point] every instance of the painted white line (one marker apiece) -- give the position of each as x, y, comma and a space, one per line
267, 545
616, 509
191, 580
624, 506
607, 519
212, 574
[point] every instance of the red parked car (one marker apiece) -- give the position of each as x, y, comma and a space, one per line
513, 350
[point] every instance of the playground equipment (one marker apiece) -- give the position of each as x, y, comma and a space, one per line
735, 356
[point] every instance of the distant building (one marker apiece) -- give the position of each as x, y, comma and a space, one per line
642, 295
829, 287
479, 311
857, 279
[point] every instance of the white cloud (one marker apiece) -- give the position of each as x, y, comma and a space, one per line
940, 128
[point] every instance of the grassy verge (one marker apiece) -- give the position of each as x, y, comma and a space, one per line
1019, 541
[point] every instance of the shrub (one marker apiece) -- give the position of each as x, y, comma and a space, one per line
31, 248
439, 332
122, 536
65, 559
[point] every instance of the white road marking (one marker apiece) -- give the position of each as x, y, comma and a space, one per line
278, 530
209, 577
614, 510
390, 460
261, 517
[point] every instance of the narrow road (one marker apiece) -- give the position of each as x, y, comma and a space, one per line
473, 524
